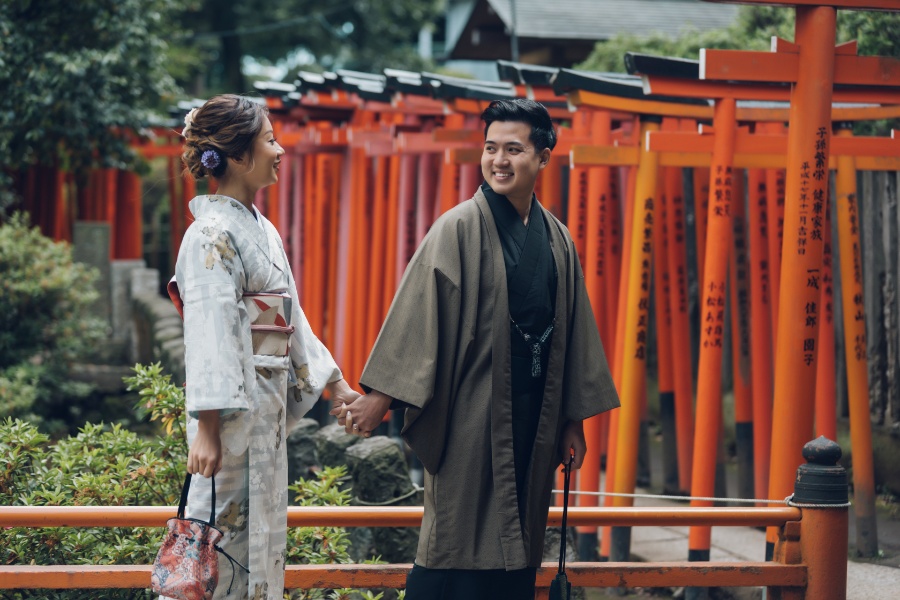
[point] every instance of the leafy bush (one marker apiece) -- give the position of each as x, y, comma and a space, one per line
101, 466
325, 545
45, 323
107, 465
45, 300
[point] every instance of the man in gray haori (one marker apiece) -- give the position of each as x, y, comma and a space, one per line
491, 348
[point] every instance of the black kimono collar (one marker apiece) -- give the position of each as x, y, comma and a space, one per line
505, 214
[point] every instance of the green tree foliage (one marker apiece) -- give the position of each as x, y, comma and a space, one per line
76, 75
878, 33
366, 35
44, 322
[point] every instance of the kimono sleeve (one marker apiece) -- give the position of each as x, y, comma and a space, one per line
589, 387
312, 363
414, 357
413, 342
210, 274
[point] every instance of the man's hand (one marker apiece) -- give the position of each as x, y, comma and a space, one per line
364, 414
205, 454
572, 439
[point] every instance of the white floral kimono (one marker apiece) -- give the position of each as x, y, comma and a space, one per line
228, 253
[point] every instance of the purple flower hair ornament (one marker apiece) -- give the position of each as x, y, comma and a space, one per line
210, 159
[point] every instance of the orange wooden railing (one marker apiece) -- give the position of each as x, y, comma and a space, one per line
784, 577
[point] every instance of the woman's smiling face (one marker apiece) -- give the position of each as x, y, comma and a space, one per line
264, 158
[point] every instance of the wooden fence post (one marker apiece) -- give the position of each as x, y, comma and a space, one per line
821, 490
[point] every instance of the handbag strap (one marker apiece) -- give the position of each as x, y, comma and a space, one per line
567, 469
233, 562
182, 504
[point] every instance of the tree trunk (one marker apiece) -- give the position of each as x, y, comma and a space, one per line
891, 408
225, 20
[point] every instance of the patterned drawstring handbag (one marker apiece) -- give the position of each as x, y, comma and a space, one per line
186, 567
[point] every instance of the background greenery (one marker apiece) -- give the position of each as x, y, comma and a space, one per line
80, 77
107, 465
878, 33
77, 76
45, 325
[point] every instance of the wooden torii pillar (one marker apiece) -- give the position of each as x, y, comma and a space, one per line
623, 94
758, 150
312, 118
767, 147
681, 154
812, 65
164, 144
874, 154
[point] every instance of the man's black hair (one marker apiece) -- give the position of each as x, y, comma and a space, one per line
543, 135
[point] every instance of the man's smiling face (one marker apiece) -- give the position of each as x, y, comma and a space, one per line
509, 163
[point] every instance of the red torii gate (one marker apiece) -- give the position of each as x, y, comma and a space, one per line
873, 154
812, 66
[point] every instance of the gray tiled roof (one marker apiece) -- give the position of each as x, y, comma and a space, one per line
603, 19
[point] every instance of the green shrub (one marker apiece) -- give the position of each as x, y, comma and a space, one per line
45, 324
100, 466
107, 465
45, 299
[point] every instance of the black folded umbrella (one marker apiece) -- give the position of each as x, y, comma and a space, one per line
560, 588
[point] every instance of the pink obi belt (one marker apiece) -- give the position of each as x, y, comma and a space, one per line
270, 313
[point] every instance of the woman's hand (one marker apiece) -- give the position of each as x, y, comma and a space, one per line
365, 414
205, 454
341, 394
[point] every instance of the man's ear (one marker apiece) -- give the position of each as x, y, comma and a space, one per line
545, 157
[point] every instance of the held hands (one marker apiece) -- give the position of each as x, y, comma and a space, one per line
572, 441
362, 415
205, 454
341, 394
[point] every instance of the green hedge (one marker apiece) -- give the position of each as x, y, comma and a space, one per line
107, 465
45, 324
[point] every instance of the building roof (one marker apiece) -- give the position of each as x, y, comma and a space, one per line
583, 21
603, 19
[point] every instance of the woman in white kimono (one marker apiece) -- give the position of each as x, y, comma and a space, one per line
254, 366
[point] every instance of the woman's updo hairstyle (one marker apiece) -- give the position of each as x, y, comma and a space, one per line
224, 127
